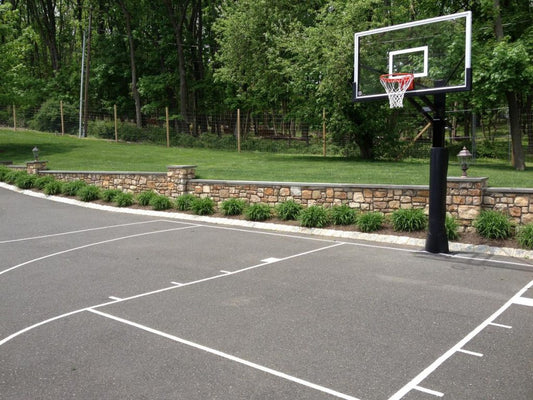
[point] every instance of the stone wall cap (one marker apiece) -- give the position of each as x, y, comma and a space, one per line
509, 190
311, 184
466, 179
182, 166
104, 172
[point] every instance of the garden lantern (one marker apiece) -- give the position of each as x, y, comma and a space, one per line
464, 157
35, 151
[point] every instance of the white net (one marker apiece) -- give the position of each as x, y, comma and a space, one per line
396, 85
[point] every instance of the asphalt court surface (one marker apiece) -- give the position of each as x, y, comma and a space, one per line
103, 305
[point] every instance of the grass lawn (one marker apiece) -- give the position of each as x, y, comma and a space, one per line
71, 153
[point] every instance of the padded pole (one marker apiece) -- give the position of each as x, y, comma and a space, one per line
437, 241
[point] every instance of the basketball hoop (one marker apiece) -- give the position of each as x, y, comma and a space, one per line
396, 85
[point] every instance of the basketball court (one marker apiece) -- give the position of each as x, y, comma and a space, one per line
99, 304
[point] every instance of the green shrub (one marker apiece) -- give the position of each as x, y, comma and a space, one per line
370, 221
525, 236
144, 198
343, 215
52, 188
72, 188
11, 176
203, 206
493, 225
258, 212
25, 180
109, 195
233, 206
451, 227
409, 220
123, 199
184, 202
3, 171
288, 210
89, 193
42, 181
160, 202
314, 217
48, 118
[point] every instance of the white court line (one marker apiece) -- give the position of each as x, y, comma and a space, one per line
429, 391
501, 326
93, 244
114, 298
471, 353
84, 230
439, 361
524, 301
225, 272
270, 260
177, 283
227, 356
14, 335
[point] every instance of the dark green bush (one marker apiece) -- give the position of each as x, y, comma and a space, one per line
343, 215
89, 193
42, 181
48, 118
160, 202
52, 188
451, 227
492, 224
145, 197
123, 199
184, 202
370, 221
3, 171
314, 217
109, 195
203, 206
72, 188
25, 180
525, 236
288, 210
12, 175
258, 212
409, 220
233, 206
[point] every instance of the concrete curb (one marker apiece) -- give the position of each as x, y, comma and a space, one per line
372, 237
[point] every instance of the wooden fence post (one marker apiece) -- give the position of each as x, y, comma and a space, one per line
116, 122
238, 130
324, 132
14, 118
62, 118
168, 126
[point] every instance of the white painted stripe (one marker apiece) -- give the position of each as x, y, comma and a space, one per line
225, 272
500, 325
429, 391
177, 283
472, 353
92, 245
115, 298
83, 231
270, 260
227, 356
7, 339
438, 362
524, 301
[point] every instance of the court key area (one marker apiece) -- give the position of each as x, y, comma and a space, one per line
100, 304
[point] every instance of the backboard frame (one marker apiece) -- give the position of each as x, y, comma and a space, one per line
465, 85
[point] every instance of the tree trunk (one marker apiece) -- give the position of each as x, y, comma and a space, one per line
134, 90
517, 156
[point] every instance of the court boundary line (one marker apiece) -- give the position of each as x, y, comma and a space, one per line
88, 230
411, 385
226, 356
92, 245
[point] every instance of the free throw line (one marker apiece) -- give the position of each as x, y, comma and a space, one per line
227, 356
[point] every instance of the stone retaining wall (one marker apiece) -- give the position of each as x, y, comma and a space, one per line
466, 197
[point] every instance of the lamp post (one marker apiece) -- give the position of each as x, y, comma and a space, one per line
35, 152
464, 157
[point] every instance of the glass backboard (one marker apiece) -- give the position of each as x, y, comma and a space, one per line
437, 51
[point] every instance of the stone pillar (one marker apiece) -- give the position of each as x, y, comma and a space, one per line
178, 176
464, 199
33, 167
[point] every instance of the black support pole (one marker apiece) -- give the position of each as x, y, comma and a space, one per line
437, 241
